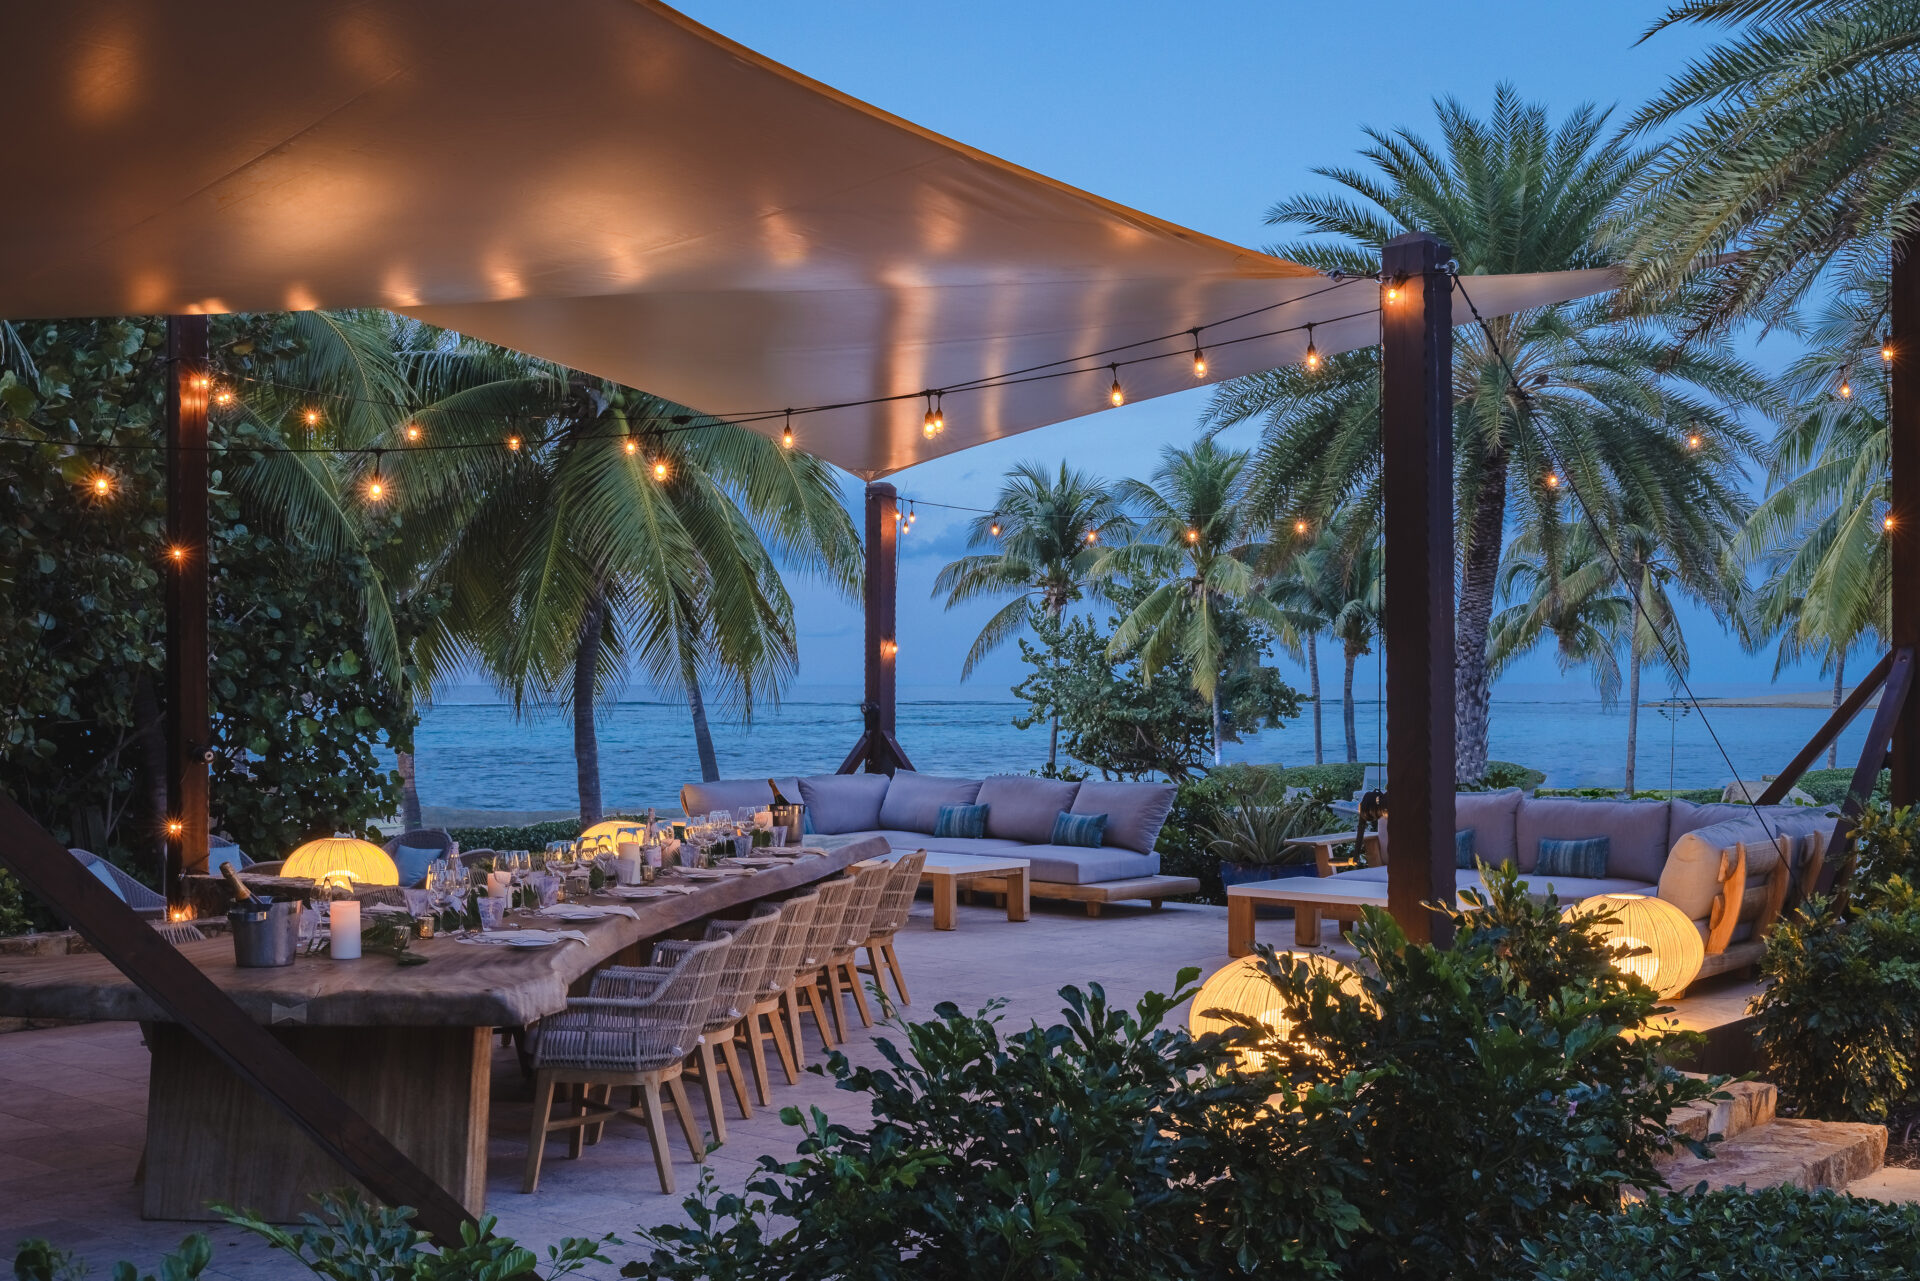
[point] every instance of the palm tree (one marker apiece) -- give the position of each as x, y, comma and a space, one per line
1332, 585
1618, 409
1046, 530
1307, 608
1590, 591
1801, 152
1192, 549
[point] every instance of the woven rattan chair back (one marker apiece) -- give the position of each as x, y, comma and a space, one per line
829, 923
870, 882
896, 901
640, 1035
178, 932
746, 965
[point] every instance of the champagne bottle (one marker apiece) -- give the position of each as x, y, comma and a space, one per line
778, 797
240, 891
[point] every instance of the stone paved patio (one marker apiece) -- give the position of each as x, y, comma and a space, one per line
72, 1100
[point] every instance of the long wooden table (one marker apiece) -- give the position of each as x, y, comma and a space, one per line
409, 1047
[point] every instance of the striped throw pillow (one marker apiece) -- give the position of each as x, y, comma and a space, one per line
961, 820
1585, 858
1083, 830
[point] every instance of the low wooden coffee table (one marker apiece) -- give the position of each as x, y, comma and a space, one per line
1312, 900
946, 873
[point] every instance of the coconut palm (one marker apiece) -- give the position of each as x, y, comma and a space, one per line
1801, 151
1192, 549
1045, 532
1616, 409
1321, 590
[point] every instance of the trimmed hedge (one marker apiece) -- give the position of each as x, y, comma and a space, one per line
1780, 1234
1829, 786
533, 837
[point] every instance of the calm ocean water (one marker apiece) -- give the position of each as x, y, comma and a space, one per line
478, 755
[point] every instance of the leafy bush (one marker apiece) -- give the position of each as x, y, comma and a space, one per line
1342, 778
1839, 1021
1106, 1146
1698, 795
1254, 832
1886, 844
1780, 1234
1501, 775
1829, 786
532, 837
1504, 1083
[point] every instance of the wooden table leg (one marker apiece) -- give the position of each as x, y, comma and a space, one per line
1239, 925
1306, 925
945, 900
211, 1137
1019, 895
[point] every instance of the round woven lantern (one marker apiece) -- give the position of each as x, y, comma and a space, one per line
1668, 950
611, 829
1244, 988
357, 860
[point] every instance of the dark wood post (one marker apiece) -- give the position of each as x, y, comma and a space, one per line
1903, 496
882, 587
189, 732
1416, 442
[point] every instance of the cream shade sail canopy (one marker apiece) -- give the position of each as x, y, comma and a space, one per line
609, 185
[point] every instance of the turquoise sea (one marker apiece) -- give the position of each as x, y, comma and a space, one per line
477, 754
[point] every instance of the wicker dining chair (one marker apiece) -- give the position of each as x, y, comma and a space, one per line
638, 1044
896, 903
842, 978
764, 1019
824, 934
178, 932
751, 939
143, 901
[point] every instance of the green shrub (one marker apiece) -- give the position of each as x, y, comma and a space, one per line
1829, 786
1886, 845
1341, 779
532, 837
1106, 1146
1501, 775
1779, 1234
1839, 1021
1503, 1083
1255, 833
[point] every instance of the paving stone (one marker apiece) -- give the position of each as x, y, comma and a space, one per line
1787, 1151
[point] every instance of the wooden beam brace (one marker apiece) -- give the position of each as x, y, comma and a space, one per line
1895, 699
192, 1000
1416, 442
1903, 500
1836, 724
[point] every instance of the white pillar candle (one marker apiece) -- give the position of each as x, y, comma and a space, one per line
763, 820
498, 883
343, 917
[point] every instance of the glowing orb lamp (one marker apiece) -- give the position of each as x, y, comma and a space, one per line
1244, 988
359, 861
1668, 951
610, 830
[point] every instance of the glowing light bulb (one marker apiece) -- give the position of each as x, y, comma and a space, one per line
1199, 363
102, 484
177, 554
660, 469
175, 827
786, 437
1299, 526
1846, 390
1553, 480
1193, 535
1886, 351
313, 417
1393, 293
1313, 353
927, 428
1693, 441
223, 397
631, 445
994, 529
1093, 536
1886, 522
513, 443
888, 648
376, 489
1114, 393
413, 431
200, 382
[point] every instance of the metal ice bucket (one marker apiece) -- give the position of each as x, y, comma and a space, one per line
264, 940
791, 816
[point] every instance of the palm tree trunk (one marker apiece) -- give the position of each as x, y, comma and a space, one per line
409, 794
586, 744
1346, 705
1313, 674
1216, 720
1633, 714
1053, 726
1472, 686
702, 733
1839, 690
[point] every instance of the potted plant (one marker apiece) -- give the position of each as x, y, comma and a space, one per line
1250, 838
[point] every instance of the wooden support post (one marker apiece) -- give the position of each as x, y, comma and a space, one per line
882, 588
191, 999
1835, 725
1416, 442
189, 731
1903, 498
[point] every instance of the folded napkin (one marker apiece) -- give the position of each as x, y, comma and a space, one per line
652, 891
521, 938
586, 911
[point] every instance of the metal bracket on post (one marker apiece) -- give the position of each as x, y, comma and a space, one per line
1416, 443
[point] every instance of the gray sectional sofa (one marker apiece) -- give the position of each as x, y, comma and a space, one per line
1021, 811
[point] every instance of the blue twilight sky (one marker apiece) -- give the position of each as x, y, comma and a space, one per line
1203, 114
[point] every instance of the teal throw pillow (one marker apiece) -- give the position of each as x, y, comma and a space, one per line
961, 820
1584, 858
1083, 830
1463, 852
412, 861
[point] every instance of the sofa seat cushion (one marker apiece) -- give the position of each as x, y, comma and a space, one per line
732, 793
1021, 807
1135, 811
1073, 865
1490, 815
913, 800
842, 803
907, 842
1636, 832
1571, 889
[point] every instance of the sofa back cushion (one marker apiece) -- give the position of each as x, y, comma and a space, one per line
844, 802
1688, 817
913, 800
1021, 807
732, 793
1489, 814
1135, 811
1636, 832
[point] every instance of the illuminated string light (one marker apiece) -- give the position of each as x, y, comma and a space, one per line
1193, 535
1693, 440
939, 412
101, 484
1553, 480
1199, 357
177, 554
1093, 536
1886, 522
1886, 350
175, 827
1846, 389
631, 445
1299, 526
198, 382
1114, 393
786, 433
927, 427
513, 444
661, 470
313, 417
376, 486
1313, 354
223, 397
994, 528
1393, 289
413, 431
